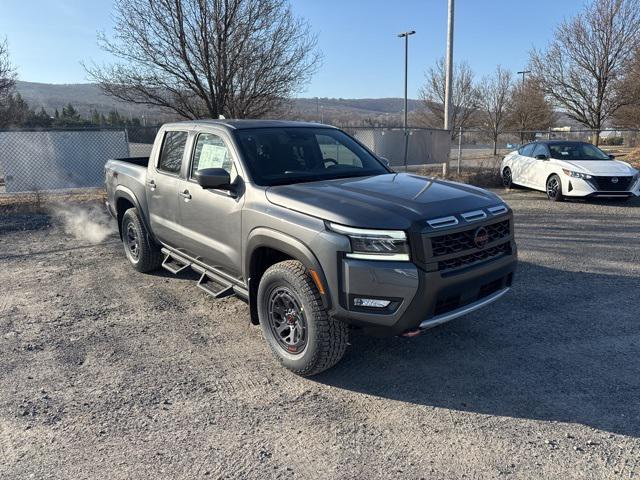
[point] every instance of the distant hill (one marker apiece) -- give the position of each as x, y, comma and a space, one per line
86, 97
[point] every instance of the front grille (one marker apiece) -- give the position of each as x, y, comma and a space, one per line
605, 184
475, 257
460, 241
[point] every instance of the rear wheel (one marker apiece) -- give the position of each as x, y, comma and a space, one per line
141, 252
294, 322
554, 188
507, 178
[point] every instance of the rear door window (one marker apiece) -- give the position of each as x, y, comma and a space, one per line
172, 152
527, 150
541, 149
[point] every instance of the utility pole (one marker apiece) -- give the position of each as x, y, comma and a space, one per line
448, 76
523, 73
405, 35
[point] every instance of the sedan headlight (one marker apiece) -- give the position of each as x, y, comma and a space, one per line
375, 244
584, 176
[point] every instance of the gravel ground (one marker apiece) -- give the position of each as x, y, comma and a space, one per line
109, 373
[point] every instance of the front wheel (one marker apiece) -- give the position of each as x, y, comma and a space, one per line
294, 322
554, 188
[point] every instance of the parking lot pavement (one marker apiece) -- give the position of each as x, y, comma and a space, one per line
109, 373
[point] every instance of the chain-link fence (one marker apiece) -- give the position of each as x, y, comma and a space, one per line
37, 160
474, 148
415, 147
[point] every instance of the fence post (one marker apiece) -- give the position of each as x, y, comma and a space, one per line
459, 148
406, 148
126, 139
549, 134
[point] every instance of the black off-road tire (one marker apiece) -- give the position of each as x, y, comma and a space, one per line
326, 338
554, 195
146, 257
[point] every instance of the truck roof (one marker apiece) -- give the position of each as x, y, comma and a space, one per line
246, 123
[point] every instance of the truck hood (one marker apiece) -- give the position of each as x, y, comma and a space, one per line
599, 167
391, 201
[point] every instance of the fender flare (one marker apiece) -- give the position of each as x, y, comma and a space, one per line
126, 193
266, 237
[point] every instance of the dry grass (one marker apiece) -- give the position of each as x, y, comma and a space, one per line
633, 157
38, 202
486, 174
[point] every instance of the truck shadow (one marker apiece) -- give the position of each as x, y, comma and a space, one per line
562, 346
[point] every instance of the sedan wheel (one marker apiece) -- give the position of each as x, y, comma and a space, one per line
507, 178
554, 189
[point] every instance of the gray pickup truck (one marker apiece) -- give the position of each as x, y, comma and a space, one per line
313, 230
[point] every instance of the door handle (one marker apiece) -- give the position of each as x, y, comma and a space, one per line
185, 194
152, 184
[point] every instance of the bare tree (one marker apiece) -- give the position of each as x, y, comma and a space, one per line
464, 97
529, 109
582, 64
7, 73
494, 92
629, 89
204, 58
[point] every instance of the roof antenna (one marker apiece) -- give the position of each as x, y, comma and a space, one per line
221, 117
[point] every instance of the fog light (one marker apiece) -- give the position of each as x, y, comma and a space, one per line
371, 302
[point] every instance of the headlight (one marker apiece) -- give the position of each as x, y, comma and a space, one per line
584, 176
375, 244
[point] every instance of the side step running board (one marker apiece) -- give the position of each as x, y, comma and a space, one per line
174, 263
211, 283
215, 285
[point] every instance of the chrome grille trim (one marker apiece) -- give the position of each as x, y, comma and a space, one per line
499, 210
474, 216
442, 222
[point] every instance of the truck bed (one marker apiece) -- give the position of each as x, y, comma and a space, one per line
142, 161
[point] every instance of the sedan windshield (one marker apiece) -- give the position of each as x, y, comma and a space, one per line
277, 156
576, 151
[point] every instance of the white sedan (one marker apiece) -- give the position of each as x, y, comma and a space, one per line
569, 169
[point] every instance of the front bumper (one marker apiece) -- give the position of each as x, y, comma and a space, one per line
420, 299
577, 187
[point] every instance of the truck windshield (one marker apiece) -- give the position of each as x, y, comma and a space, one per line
277, 156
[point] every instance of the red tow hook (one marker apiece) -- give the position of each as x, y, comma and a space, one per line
411, 333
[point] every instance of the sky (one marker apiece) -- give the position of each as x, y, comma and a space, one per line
362, 55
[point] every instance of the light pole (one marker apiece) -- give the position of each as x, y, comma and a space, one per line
406, 35
448, 88
523, 73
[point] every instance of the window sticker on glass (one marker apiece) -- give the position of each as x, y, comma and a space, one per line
212, 156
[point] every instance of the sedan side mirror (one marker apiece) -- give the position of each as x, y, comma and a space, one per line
385, 161
213, 178
612, 157
541, 156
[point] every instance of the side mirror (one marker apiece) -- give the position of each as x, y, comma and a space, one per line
213, 178
612, 157
541, 156
385, 161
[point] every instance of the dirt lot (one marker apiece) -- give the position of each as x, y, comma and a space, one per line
108, 373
